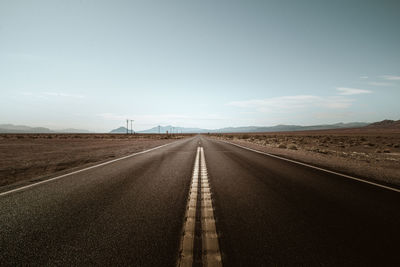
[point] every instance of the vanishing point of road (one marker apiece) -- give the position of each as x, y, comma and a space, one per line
200, 202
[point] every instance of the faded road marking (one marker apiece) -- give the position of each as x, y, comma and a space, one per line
187, 241
210, 253
210, 247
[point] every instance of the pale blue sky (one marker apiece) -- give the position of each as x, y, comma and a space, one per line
209, 63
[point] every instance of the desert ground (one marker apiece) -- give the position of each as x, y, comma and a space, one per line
26, 158
373, 154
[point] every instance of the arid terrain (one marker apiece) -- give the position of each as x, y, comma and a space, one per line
24, 157
371, 153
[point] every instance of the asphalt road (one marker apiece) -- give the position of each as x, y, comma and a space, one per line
268, 212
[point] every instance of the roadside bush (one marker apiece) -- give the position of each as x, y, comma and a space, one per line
282, 146
293, 147
245, 136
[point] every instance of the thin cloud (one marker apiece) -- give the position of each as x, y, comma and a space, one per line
119, 117
380, 84
391, 77
26, 93
298, 101
293, 102
24, 56
47, 95
338, 115
158, 118
63, 95
352, 91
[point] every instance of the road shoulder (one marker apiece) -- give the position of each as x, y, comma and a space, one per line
347, 168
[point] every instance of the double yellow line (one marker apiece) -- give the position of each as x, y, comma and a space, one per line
211, 255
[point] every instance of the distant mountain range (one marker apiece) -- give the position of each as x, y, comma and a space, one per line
385, 124
290, 128
10, 128
121, 130
248, 129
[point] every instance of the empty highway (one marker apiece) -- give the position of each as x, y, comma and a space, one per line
199, 202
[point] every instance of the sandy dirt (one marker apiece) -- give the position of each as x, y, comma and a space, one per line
29, 157
373, 155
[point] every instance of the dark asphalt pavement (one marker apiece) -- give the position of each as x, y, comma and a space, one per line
126, 213
272, 212
268, 212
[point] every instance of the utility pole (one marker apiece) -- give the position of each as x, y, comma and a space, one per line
127, 127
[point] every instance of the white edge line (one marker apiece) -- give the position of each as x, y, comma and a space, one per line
314, 167
82, 170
